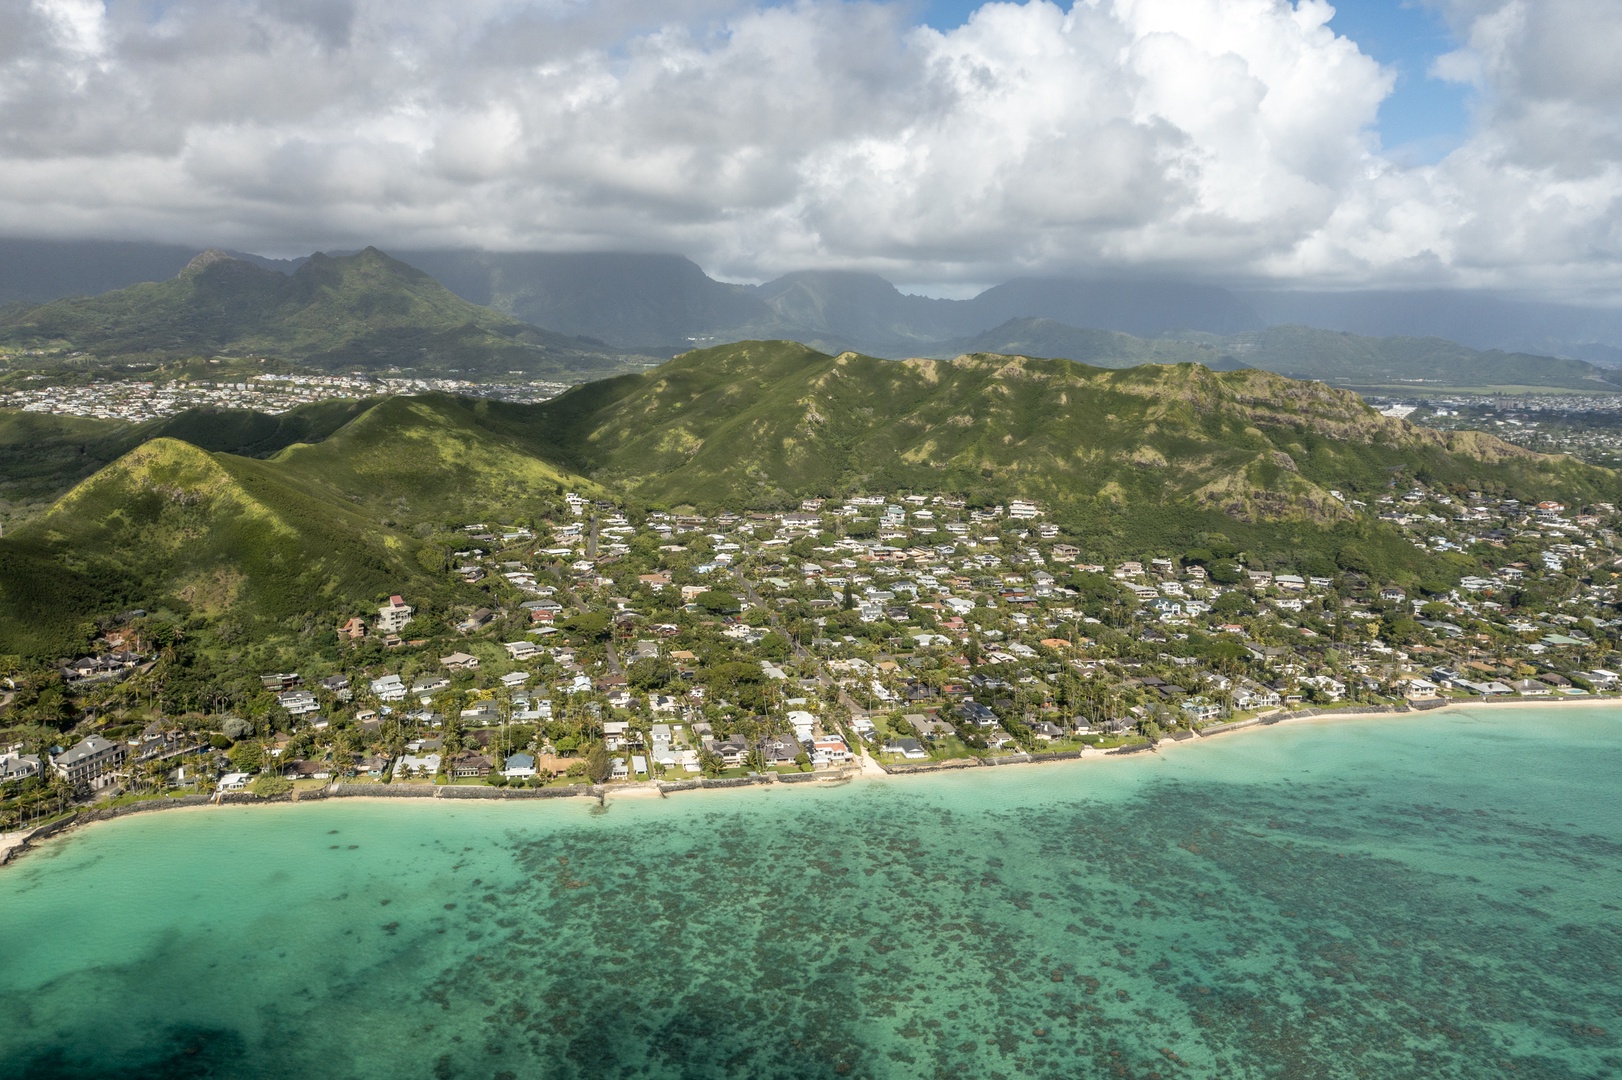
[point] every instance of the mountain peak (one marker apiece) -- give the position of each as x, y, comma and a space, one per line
209, 258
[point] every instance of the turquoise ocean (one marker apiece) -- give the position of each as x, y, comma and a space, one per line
1433, 896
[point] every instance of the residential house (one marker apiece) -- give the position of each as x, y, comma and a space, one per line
15, 766
518, 766
731, 750
234, 781
521, 650
417, 765
830, 749
298, 702
307, 770
476, 621
911, 749
393, 616
90, 762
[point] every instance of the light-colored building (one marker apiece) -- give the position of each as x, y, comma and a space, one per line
393, 616
89, 762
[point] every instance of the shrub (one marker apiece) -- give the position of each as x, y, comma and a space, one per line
268, 785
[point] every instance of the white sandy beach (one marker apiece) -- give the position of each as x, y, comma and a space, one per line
13, 844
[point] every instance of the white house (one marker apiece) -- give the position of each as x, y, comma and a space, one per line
802, 723
393, 616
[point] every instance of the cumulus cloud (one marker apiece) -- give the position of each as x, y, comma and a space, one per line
1206, 137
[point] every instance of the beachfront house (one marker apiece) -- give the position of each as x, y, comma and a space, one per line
518, 767
235, 781
909, 748
90, 762
411, 765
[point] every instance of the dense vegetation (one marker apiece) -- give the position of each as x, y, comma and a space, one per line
766, 423
42, 455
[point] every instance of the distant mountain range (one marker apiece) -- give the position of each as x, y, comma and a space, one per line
1393, 364
582, 316
361, 311
666, 303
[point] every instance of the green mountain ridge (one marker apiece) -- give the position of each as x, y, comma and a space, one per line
765, 423
433, 457
227, 539
1124, 460
267, 548
42, 455
362, 311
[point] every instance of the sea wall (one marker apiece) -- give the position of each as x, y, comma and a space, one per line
734, 781
381, 791
248, 798
1354, 710
1232, 725
572, 791
902, 768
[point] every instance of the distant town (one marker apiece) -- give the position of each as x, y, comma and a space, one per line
1586, 426
137, 400
902, 632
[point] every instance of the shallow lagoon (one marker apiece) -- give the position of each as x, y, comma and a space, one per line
1422, 896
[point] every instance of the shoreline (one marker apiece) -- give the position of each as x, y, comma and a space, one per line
15, 844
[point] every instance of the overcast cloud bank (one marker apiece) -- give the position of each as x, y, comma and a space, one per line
1230, 138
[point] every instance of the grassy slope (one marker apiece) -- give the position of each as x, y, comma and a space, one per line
429, 458
223, 537
271, 547
1398, 362
42, 456
769, 422
1130, 459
